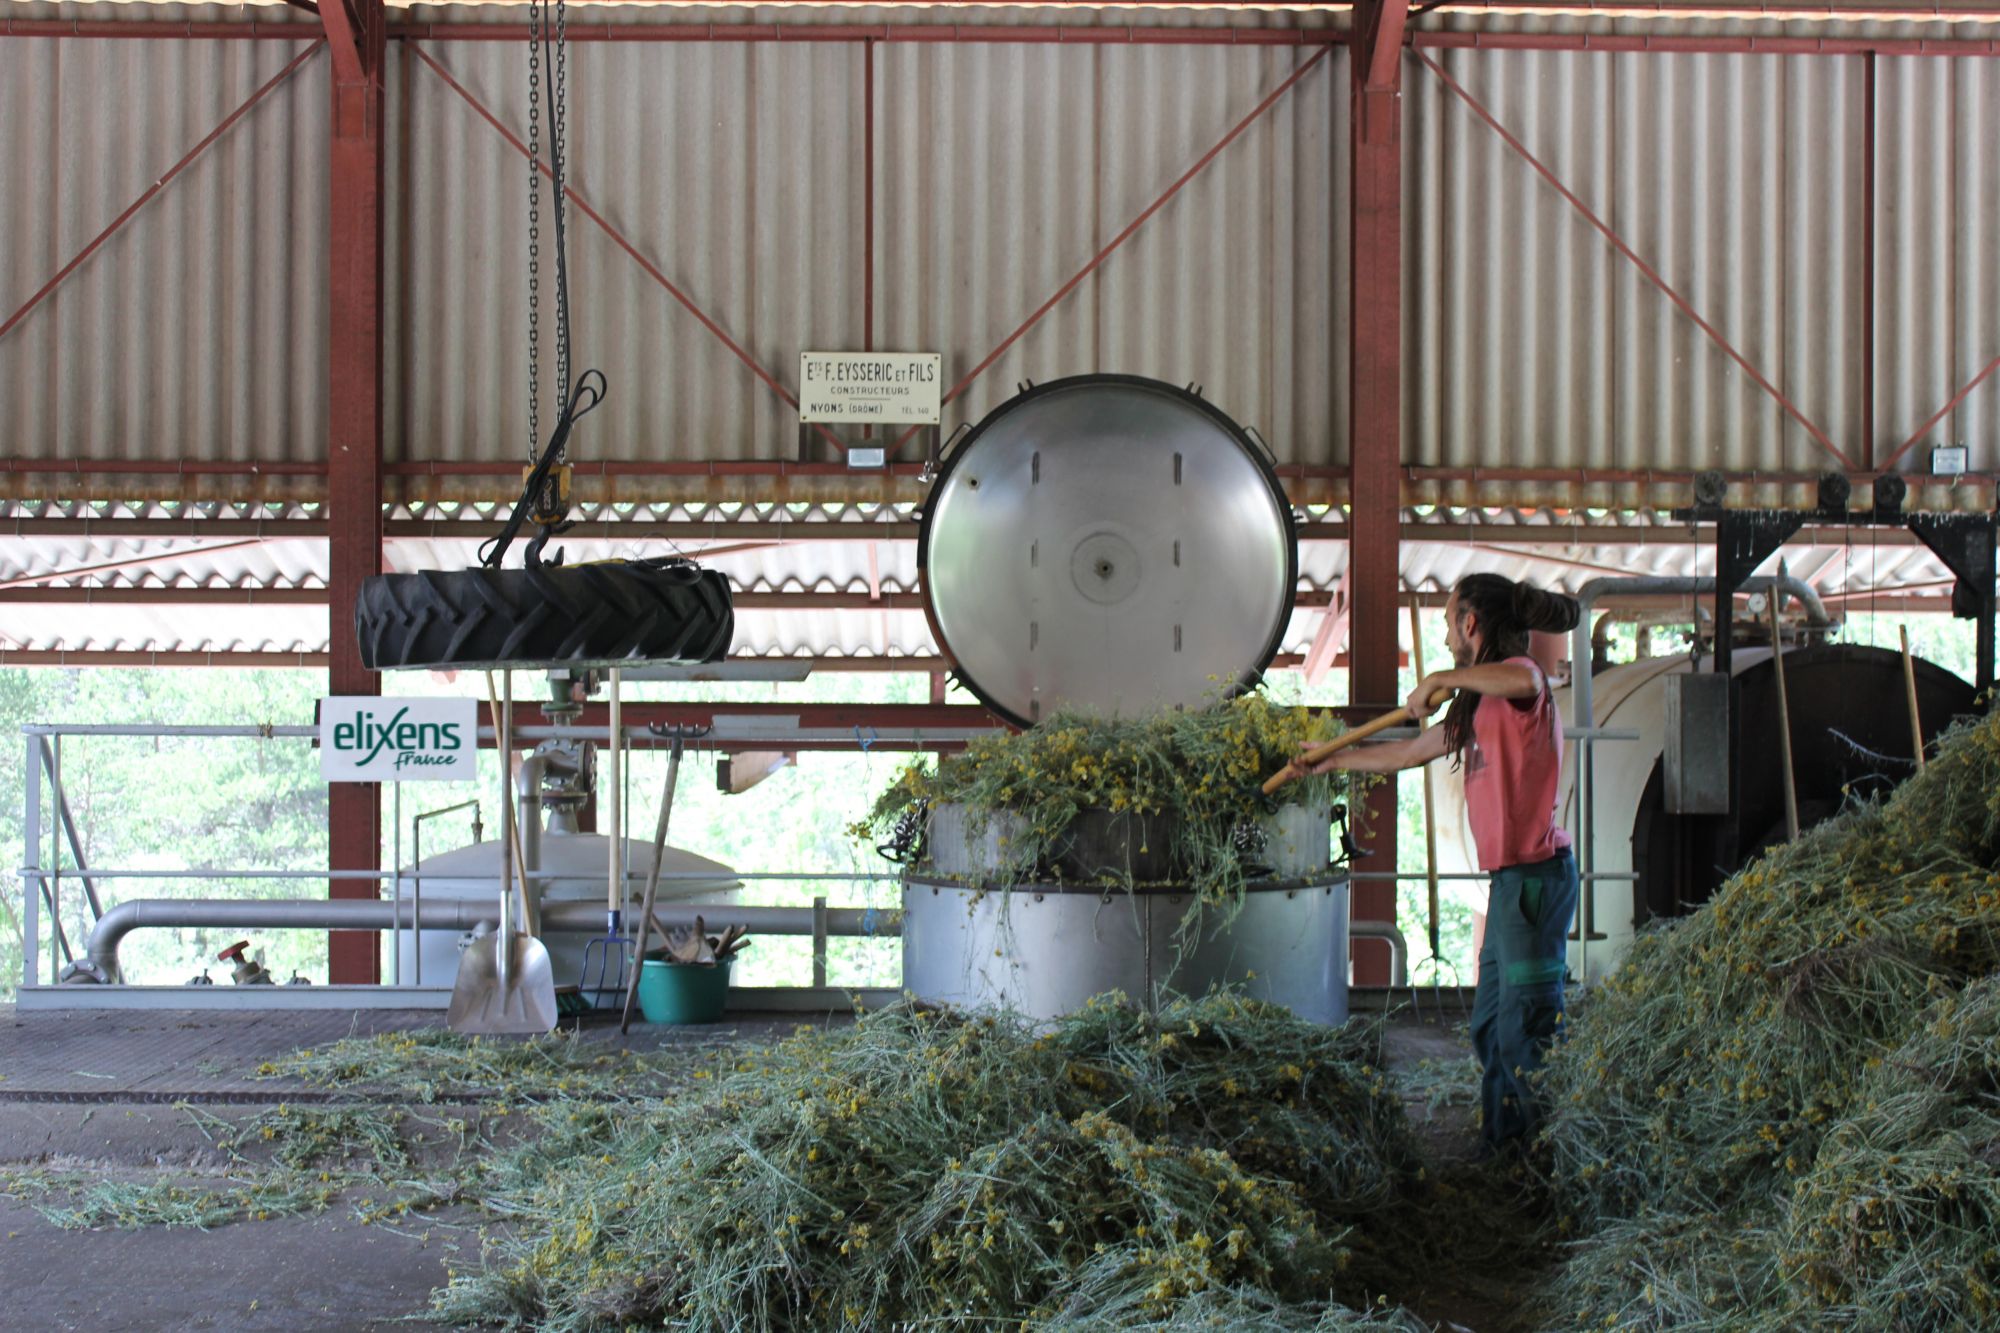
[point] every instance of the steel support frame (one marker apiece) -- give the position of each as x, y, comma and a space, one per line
356, 33
1374, 420
1746, 538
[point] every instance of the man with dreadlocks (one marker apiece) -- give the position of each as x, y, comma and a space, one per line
1503, 731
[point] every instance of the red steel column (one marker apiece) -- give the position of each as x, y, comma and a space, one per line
1374, 419
356, 32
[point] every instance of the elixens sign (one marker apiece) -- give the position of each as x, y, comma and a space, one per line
398, 740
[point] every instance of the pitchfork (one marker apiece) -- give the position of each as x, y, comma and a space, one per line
611, 951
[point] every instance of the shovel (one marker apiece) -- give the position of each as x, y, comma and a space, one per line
504, 981
1296, 769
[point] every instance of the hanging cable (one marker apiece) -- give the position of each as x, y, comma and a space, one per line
534, 229
545, 494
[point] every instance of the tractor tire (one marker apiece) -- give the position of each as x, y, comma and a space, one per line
609, 613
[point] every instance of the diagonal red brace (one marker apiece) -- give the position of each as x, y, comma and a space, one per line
1652, 276
1269, 101
158, 186
1940, 414
618, 238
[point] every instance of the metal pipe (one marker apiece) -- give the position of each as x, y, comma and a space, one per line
417, 878
1584, 713
454, 914
31, 882
209, 872
396, 864
528, 826
1399, 948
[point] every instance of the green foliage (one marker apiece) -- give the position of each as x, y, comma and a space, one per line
926, 1166
1203, 770
1739, 1063
169, 803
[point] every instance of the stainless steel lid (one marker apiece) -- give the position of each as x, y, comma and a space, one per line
1110, 542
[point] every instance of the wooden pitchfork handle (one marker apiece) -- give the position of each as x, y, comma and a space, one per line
1320, 753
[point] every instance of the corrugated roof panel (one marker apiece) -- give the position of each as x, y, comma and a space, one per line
128, 628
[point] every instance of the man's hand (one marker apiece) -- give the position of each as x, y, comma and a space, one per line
1420, 703
1339, 759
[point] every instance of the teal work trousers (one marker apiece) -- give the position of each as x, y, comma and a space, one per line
1517, 1010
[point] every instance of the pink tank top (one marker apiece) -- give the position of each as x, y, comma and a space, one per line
1512, 765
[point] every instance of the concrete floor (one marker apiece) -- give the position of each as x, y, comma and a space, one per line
96, 1093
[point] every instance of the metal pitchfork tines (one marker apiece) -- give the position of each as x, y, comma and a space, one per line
681, 736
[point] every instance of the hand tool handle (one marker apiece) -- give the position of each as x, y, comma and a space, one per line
1319, 753
646, 922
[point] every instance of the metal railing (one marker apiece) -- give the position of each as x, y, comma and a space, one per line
42, 879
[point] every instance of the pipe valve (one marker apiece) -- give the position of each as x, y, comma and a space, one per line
248, 971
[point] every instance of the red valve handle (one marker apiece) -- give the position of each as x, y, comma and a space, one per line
234, 953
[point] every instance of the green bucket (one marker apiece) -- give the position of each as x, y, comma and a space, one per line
683, 992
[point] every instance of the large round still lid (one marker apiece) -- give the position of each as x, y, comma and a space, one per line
1110, 542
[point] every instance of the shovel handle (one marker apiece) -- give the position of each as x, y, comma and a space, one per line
1320, 753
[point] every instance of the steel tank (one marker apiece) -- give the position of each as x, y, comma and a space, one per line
569, 868
1850, 736
1116, 544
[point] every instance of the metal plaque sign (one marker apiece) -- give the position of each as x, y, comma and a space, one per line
870, 386
369, 739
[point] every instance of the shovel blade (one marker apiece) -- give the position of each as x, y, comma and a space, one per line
525, 1004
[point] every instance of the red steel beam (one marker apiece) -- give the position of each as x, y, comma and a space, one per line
1374, 416
98, 658
934, 667
112, 566
354, 439
1619, 244
1939, 415
1867, 329
778, 468
1668, 44
922, 34
1256, 113
159, 30
810, 716
1563, 532
619, 239
1656, 477
343, 42
118, 595
165, 179
201, 596
1905, 10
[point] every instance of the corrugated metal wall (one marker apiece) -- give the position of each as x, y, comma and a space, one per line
1938, 244
198, 330
1738, 178
736, 168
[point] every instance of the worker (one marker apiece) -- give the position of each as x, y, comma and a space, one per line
1502, 729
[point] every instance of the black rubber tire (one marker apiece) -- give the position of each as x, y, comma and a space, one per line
608, 613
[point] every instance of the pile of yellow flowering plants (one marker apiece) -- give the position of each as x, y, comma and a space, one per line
1219, 1163
1788, 1101
1195, 776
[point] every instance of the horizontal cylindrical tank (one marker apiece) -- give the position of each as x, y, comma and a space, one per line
1850, 735
570, 868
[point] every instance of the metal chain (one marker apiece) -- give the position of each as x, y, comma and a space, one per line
534, 229
559, 137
